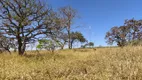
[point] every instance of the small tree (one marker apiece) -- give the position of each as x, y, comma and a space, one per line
62, 39
49, 45
91, 44
6, 44
77, 36
83, 46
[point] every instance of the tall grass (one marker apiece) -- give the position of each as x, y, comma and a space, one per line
80, 64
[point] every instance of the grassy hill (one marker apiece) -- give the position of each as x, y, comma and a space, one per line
78, 64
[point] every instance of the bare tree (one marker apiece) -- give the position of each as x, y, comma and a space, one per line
23, 20
5, 44
58, 30
116, 35
68, 14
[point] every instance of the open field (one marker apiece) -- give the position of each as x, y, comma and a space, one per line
80, 64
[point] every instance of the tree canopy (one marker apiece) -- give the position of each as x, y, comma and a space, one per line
77, 36
124, 35
25, 20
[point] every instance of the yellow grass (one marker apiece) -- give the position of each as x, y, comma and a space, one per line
88, 64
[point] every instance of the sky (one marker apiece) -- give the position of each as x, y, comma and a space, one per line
96, 17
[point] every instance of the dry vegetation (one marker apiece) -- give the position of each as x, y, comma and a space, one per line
101, 64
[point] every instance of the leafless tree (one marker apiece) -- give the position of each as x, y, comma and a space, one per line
5, 44
68, 14
23, 20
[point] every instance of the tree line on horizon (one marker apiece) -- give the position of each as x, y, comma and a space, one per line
25, 22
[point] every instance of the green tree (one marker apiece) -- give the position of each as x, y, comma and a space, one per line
91, 44
77, 36
49, 45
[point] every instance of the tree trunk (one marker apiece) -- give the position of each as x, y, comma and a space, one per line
20, 46
15, 50
69, 44
62, 47
69, 34
7, 50
21, 49
20, 52
21, 43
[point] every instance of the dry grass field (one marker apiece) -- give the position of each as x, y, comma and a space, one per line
79, 64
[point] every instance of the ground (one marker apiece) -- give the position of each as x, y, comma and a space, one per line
78, 64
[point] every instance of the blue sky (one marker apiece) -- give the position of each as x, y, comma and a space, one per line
98, 16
